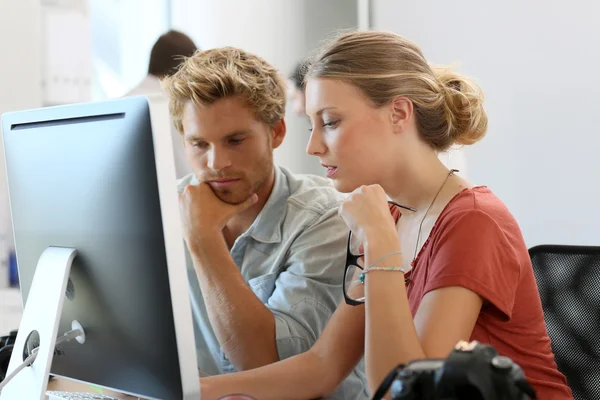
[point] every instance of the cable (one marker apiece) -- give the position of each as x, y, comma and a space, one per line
72, 334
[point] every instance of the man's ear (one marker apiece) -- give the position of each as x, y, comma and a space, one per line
278, 130
401, 113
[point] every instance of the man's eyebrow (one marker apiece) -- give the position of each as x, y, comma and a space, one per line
193, 136
235, 134
232, 135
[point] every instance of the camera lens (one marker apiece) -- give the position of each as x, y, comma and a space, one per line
502, 363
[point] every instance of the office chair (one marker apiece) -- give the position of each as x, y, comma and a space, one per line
568, 279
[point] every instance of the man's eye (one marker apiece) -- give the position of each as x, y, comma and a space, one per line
235, 142
200, 145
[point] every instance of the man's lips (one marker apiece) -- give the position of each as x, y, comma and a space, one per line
223, 182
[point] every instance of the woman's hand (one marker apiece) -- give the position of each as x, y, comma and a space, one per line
367, 214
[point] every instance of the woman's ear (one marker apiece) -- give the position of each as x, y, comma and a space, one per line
401, 113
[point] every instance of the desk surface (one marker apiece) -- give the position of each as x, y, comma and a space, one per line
64, 385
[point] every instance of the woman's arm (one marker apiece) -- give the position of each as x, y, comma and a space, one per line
313, 374
473, 262
444, 316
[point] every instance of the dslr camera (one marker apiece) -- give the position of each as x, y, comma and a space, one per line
472, 371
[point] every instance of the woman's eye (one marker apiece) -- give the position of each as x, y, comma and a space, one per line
331, 124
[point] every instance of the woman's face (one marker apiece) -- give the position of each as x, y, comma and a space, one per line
352, 138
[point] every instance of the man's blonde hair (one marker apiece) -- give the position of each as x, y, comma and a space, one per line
211, 75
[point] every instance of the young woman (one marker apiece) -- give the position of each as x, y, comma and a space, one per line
453, 267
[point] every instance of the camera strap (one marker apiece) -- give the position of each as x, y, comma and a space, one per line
387, 382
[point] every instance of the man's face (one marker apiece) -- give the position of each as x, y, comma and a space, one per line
229, 148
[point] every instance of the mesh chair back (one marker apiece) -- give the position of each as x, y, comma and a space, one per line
568, 278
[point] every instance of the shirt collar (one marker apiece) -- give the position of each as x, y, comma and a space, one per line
266, 227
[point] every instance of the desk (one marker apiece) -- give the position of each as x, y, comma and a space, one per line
64, 385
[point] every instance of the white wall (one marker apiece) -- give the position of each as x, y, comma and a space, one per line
537, 61
20, 55
121, 49
66, 52
282, 32
20, 81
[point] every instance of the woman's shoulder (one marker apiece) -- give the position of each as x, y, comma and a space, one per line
478, 199
479, 205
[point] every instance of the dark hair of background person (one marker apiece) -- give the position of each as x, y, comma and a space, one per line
299, 74
168, 51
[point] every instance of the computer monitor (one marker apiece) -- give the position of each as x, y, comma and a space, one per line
100, 178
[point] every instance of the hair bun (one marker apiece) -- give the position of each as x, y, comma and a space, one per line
466, 118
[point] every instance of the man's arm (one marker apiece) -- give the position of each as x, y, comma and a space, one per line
244, 326
310, 375
309, 289
306, 294
338, 348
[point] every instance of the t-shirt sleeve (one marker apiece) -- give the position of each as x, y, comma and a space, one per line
472, 251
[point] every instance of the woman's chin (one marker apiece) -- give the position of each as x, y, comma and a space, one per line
343, 186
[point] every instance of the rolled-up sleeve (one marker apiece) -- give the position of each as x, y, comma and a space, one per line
309, 289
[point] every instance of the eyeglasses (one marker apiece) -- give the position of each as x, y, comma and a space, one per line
354, 288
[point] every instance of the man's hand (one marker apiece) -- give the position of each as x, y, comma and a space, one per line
243, 325
203, 214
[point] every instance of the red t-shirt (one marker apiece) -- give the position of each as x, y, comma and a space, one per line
477, 244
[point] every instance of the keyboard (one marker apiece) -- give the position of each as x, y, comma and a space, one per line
54, 395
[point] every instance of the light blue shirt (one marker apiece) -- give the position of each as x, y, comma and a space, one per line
293, 258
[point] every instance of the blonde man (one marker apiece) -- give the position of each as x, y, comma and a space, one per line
266, 247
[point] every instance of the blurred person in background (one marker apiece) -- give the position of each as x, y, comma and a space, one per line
296, 89
165, 57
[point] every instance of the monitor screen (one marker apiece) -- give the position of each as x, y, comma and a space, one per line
85, 176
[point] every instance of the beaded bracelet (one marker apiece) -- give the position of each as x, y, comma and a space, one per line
380, 259
361, 276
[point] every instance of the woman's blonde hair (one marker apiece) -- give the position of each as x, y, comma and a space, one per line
448, 107
211, 75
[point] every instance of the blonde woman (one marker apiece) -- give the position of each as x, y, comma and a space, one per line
453, 267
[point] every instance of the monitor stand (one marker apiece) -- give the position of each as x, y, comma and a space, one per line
39, 326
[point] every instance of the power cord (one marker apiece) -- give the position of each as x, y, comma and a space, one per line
72, 334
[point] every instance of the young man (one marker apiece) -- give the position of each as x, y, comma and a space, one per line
266, 247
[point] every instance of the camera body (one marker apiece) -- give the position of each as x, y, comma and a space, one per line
472, 371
